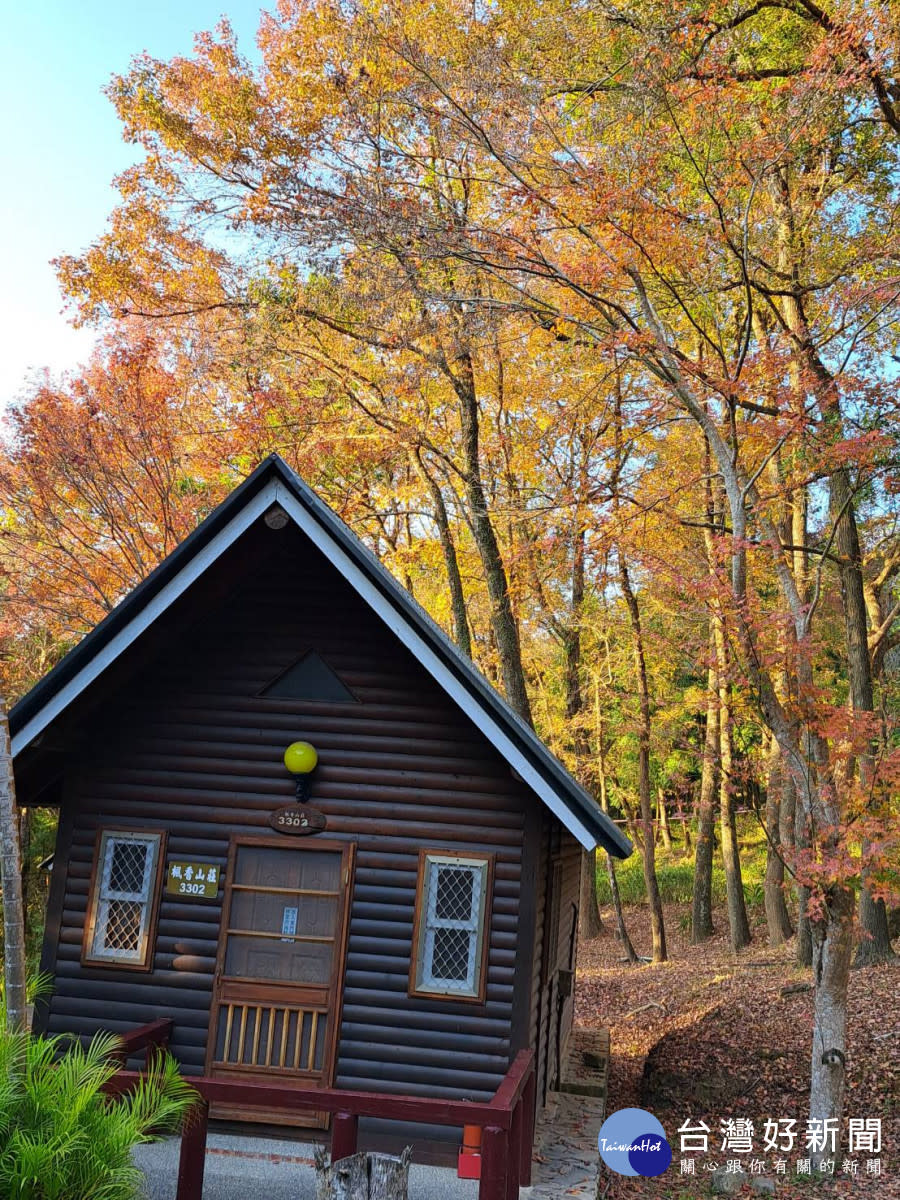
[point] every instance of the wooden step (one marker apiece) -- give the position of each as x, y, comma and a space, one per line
585, 1069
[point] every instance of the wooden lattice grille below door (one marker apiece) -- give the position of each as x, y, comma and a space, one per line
269, 1037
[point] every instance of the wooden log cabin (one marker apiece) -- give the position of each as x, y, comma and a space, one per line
405, 924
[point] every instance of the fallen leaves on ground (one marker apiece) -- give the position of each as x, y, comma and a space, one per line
710, 1035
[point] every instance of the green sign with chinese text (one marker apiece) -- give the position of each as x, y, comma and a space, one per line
192, 880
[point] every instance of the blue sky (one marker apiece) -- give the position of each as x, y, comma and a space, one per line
61, 147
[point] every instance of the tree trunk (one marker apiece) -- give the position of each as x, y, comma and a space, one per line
630, 953
590, 922
777, 918
24, 856
787, 810
503, 621
11, 871
805, 752
875, 946
634, 830
701, 910
804, 929
662, 816
738, 924
792, 821
686, 833
832, 938
363, 1177
448, 549
702, 907
651, 883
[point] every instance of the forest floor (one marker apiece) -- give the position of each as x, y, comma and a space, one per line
711, 1036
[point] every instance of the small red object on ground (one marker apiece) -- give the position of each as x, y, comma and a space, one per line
468, 1165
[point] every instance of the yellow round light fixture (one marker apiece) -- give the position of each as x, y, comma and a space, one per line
300, 758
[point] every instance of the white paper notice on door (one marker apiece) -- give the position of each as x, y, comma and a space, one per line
289, 924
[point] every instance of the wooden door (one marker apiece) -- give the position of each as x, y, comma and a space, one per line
279, 972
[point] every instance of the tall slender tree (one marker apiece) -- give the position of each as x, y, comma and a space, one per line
14, 979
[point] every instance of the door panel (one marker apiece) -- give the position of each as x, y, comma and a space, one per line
277, 997
278, 959
265, 913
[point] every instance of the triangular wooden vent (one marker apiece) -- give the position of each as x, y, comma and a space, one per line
310, 678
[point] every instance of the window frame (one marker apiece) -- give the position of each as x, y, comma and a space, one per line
450, 857
89, 957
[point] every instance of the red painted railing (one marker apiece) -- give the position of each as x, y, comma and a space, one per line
507, 1121
151, 1037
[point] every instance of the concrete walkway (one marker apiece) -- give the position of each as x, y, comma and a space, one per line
566, 1165
567, 1162
244, 1168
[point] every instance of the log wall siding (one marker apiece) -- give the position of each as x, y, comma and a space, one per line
552, 1010
539, 1023
189, 746
570, 851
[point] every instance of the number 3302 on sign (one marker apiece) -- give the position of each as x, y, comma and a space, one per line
192, 879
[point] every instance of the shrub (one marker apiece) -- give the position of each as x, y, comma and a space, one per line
676, 881
61, 1138
675, 874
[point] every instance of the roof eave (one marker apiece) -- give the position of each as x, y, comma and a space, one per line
540, 769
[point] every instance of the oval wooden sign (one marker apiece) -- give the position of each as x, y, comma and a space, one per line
297, 819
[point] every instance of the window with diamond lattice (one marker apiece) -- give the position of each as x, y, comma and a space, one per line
123, 905
451, 902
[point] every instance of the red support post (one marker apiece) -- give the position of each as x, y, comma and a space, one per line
192, 1162
494, 1164
529, 1097
344, 1132
515, 1153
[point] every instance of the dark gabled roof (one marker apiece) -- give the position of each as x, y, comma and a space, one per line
273, 482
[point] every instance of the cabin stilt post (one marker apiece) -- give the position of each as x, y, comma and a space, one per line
344, 1133
515, 1152
529, 1097
494, 1163
192, 1161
